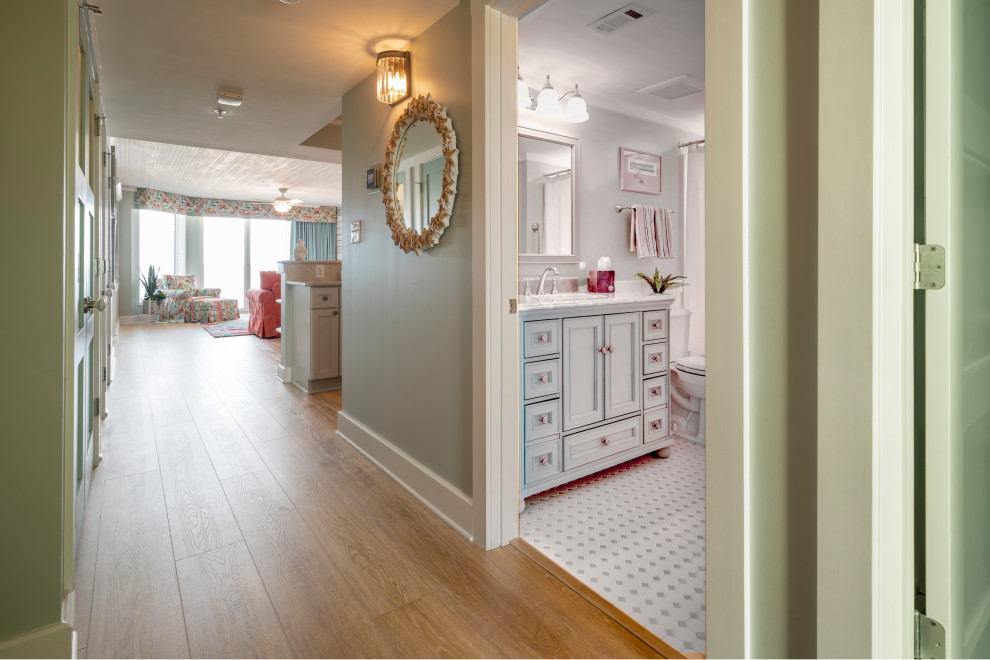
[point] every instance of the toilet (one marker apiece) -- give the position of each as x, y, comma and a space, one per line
687, 381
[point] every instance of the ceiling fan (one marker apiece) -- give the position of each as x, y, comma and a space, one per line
282, 204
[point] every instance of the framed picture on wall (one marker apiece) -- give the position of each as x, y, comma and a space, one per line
639, 171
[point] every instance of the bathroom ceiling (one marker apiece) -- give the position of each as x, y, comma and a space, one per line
555, 39
163, 64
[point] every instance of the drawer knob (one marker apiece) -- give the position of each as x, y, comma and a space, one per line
544, 338
655, 325
605, 441
326, 297
656, 357
544, 378
655, 391
656, 425
545, 419
545, 461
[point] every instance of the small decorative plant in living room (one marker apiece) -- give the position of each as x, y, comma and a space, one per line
661, 284
150, 285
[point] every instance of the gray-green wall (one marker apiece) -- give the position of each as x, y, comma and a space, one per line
407, 322
32, 47
128, 236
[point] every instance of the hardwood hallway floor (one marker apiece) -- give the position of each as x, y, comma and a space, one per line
227, 520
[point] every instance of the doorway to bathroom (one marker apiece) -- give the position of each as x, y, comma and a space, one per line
611, 185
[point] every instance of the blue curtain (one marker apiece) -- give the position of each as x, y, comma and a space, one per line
320, 239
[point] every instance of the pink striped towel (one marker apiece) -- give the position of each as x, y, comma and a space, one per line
649, 232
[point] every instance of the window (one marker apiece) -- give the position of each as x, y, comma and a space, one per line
223, 256
269, 245
156, 245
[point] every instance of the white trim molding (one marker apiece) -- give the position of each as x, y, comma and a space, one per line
443, 499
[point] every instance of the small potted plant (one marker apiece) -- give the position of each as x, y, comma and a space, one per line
149, 282
661, 284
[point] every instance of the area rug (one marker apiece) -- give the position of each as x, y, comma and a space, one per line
235, 328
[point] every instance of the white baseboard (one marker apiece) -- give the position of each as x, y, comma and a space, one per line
55, 641
453, 506
137, 320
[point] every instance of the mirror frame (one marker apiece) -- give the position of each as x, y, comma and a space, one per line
574, 144
421, 108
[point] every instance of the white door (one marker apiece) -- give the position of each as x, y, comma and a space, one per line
956, 520
623, 381
584, 360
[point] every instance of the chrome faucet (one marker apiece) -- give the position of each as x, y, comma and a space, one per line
543, 278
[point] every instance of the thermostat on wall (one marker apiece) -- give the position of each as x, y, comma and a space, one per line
356, 231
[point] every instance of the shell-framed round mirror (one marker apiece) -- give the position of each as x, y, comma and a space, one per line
420, 178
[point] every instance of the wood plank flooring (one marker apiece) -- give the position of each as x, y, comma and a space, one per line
228, 520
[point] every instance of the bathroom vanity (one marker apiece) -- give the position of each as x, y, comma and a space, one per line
594, 384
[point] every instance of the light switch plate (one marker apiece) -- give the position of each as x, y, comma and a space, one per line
321, 271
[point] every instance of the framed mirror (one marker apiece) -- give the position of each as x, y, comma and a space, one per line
548, 218
420, 178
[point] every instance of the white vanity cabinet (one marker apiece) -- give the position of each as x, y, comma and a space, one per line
594, 387
314, 335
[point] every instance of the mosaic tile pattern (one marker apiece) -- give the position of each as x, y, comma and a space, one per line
635, 533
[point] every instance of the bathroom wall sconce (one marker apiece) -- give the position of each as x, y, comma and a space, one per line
547, 103
394, 73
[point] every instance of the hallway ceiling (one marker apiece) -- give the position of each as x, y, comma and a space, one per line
163, 64
555, 39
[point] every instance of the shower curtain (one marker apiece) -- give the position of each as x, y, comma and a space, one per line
557, 215
692, 162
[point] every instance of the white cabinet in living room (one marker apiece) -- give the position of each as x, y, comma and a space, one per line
311, 335
325, 343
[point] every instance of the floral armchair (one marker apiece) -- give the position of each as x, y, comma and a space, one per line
179, 292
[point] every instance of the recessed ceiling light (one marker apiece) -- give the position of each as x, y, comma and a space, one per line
290, 2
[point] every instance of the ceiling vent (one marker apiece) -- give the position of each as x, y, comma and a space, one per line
675, 88
620, 18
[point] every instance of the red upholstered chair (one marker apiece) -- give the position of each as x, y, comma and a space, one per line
266, 314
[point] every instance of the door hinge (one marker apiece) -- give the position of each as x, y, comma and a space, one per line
513, 305
929, 267
96, 406
929, 637
104, 374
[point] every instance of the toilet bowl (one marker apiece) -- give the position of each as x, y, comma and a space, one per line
687, 398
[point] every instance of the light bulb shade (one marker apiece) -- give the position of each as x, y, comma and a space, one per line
577, 110
547, 103
393, 76
522, 93
282, 207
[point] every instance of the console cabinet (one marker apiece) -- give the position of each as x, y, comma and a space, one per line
314, 336
594, 390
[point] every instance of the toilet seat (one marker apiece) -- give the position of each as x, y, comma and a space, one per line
692, 364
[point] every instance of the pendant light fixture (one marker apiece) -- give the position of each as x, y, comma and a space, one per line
393, 67
522, 91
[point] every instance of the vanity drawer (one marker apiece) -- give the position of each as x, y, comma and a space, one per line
542, 460
542, 419
654, 359
322, 297
588, 446
655, 425
541, 338
541, 379
655, 392
655, 325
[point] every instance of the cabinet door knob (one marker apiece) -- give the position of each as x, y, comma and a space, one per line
544, 461
544, 339
605, 441
544, 378
603, 350
611, 349
335, 312
545, 419
655, 391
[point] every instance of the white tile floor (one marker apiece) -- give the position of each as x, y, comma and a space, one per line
635, 533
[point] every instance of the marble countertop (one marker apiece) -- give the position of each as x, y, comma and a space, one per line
577, 300
314, 282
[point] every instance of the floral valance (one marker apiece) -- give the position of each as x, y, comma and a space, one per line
158, 200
